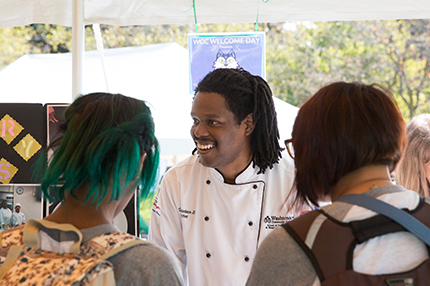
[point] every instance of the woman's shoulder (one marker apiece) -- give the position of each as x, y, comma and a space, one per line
278, 252
145, 263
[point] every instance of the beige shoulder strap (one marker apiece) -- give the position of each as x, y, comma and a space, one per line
123, 247
107, 278
12, 255
32, 227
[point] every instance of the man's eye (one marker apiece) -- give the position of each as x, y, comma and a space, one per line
213, 122
195, 121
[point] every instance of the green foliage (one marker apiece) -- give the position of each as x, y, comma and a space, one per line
14, 42
300, 57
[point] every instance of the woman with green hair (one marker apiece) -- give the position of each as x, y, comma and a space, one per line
106, 150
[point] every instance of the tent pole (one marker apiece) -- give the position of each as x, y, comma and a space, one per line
78, 47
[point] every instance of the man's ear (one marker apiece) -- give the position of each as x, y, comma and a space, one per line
249, 124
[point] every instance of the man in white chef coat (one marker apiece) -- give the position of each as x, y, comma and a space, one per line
18, 217
215, 208
5, 216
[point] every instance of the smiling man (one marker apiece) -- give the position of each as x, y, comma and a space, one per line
215, 208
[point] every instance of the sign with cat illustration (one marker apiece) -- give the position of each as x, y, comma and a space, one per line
226, 60
209, 51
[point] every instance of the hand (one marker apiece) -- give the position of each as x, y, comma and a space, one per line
51, 113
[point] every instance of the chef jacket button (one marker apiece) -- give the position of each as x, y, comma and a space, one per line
206, 218
208, 182
250, 223
246, 258
208, 255
255, 186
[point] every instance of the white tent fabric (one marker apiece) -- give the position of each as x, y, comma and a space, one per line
145, 12
156, 73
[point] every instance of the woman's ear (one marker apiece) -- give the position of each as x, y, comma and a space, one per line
249, 124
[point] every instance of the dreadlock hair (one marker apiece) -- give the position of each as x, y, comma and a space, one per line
103, 139
244, 94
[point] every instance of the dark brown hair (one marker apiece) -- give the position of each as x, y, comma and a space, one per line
343, 127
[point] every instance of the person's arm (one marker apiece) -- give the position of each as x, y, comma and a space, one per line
23, 218
165, 224
146, 265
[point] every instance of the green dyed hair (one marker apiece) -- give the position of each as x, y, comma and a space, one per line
103, 138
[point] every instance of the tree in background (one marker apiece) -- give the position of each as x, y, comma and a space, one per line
300, 57
392, 53
314, 54
404, 67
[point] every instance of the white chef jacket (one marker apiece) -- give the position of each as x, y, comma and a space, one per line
18, 218
5, 217
214, 228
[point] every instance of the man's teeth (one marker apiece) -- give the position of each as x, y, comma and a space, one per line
204, 147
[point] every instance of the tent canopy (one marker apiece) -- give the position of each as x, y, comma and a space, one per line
145, 12
155, 73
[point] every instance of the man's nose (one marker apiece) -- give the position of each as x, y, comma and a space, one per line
200, 130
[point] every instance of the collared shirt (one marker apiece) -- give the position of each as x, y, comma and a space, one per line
18, 218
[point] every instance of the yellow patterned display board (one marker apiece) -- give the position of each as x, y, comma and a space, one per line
7, 171
9, 128
12, 131
27, 147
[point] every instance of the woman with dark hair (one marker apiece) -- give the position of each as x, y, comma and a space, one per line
107, 149
347, 139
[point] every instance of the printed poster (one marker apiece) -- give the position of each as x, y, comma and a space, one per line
208, 52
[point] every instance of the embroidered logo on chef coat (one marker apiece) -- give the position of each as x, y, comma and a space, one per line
185, 213
273, 221
156, 207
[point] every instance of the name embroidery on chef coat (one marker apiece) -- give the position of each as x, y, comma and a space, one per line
186, 213
273, 221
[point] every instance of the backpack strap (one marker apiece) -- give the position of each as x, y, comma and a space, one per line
11, 239
331, 249
32, 227
333, 245
327, 239
12, 255
93, 255
380, 224
108, 245
112, 243
328, 243
407, 221
298, 230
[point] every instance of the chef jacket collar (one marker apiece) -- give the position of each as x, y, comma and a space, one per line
243, 177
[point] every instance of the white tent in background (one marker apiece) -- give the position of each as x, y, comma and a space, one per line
155, 73
78, 13
144, 12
